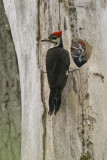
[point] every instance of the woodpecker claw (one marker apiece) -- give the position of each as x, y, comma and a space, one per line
73, 70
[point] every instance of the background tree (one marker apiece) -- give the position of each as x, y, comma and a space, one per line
10, 101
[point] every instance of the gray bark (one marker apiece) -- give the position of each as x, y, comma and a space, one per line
79, 130
10, 100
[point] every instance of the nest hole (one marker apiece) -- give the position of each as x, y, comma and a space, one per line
80, 52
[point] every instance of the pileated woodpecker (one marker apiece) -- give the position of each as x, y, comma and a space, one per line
77, 53
57, 67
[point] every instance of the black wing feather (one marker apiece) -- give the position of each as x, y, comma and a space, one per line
57, 63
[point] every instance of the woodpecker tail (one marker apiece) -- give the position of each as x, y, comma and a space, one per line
54, 104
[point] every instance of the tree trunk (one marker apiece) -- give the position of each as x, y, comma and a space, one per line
79, 129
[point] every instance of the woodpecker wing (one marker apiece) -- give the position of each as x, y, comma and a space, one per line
57, 65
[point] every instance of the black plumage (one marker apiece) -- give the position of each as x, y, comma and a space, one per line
57, 66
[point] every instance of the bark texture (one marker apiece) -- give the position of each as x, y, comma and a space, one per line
79, 130
10, 100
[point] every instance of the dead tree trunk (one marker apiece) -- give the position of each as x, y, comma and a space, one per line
79, 129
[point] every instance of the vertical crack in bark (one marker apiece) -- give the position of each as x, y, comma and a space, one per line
44, 115
85, 130
59, 25
38, 35
74, 84
83, 118
84, 135
42, 85
72, 14
81, 104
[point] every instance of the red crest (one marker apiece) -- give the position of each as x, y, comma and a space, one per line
59, 33
82, 44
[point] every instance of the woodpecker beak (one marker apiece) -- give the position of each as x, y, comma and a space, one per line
45, 40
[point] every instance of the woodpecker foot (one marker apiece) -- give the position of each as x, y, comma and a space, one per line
66, 72
73, 70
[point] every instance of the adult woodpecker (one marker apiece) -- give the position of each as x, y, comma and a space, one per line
57, 67
77, 52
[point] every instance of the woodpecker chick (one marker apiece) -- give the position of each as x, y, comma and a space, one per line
57, 67
77, 53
